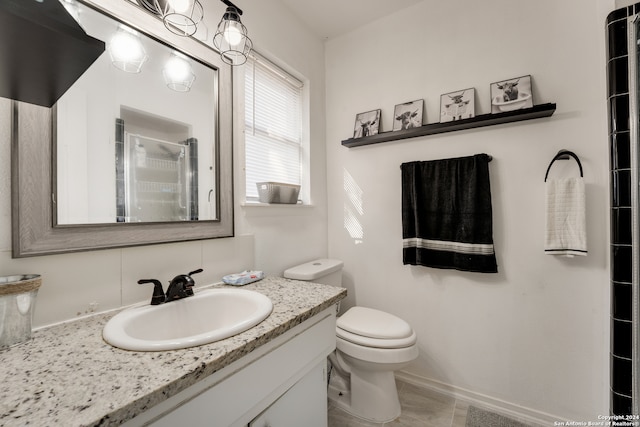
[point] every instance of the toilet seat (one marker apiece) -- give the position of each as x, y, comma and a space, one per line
372, 323
377, 342
374, 328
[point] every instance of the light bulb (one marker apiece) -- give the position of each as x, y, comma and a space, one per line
233, 33
126, 47
178, 73
126, 51
178, 69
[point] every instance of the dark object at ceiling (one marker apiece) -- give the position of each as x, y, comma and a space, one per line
43, 51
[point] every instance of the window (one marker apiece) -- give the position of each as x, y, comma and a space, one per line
273, 126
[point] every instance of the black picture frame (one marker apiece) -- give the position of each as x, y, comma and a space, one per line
408, 115
367, 124
458, 105
511, 94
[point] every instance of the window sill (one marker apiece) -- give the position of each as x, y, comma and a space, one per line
274, 205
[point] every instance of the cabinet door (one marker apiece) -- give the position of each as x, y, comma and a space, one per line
304, 404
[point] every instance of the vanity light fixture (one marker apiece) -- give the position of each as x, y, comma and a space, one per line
231, 37
181, 17
126, 50
178, 74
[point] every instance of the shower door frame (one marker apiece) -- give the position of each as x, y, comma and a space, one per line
623, 30
632, 46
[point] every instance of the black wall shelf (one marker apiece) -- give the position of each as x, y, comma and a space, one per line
536, 112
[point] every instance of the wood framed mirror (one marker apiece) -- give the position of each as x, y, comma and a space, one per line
39, 173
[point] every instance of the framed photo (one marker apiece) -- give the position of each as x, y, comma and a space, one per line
458, 105
511, 94
408, 115
367, 124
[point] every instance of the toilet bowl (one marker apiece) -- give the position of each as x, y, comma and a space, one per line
370, 345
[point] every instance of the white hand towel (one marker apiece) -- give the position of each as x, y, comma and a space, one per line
566, 230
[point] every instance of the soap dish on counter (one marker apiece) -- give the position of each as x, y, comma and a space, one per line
244, 278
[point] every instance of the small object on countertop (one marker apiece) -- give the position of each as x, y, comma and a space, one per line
244, 278
17, 300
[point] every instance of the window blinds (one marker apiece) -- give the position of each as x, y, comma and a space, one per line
273, 125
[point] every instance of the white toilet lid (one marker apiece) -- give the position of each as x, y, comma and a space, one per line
377, 342
371, 323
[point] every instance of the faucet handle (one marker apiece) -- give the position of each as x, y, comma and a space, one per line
158, 294
195, 272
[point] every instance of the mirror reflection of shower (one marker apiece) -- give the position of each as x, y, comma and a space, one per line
156, 181
156, 178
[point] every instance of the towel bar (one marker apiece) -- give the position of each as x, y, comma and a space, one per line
489, 157
563, 155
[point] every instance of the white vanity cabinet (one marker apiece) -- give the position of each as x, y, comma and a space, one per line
304, 404
282, 383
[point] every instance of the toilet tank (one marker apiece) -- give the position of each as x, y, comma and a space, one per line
325, 271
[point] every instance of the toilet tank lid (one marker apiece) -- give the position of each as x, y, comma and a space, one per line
313, 269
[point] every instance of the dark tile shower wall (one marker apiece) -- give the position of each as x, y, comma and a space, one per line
621, 212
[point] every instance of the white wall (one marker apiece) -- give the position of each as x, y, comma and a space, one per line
535, 336
270, 239
624, 3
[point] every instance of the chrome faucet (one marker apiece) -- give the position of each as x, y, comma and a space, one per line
180, 287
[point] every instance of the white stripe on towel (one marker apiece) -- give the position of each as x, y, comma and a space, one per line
448, 246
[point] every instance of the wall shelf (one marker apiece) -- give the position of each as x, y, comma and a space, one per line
536, 112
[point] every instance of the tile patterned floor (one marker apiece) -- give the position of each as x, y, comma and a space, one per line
420, 408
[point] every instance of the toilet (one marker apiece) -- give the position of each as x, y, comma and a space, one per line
370, 345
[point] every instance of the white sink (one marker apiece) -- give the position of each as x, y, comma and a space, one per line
210, 315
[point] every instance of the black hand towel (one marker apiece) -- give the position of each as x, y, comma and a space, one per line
446, 214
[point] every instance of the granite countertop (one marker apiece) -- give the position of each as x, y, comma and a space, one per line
67, 375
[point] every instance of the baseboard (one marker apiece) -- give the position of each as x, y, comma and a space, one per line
502, 407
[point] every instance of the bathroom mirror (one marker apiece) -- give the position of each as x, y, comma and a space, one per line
126, 157
150, 109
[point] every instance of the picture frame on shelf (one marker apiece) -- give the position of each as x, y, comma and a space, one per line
511, 94
367, 124
408, 115
458, 105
